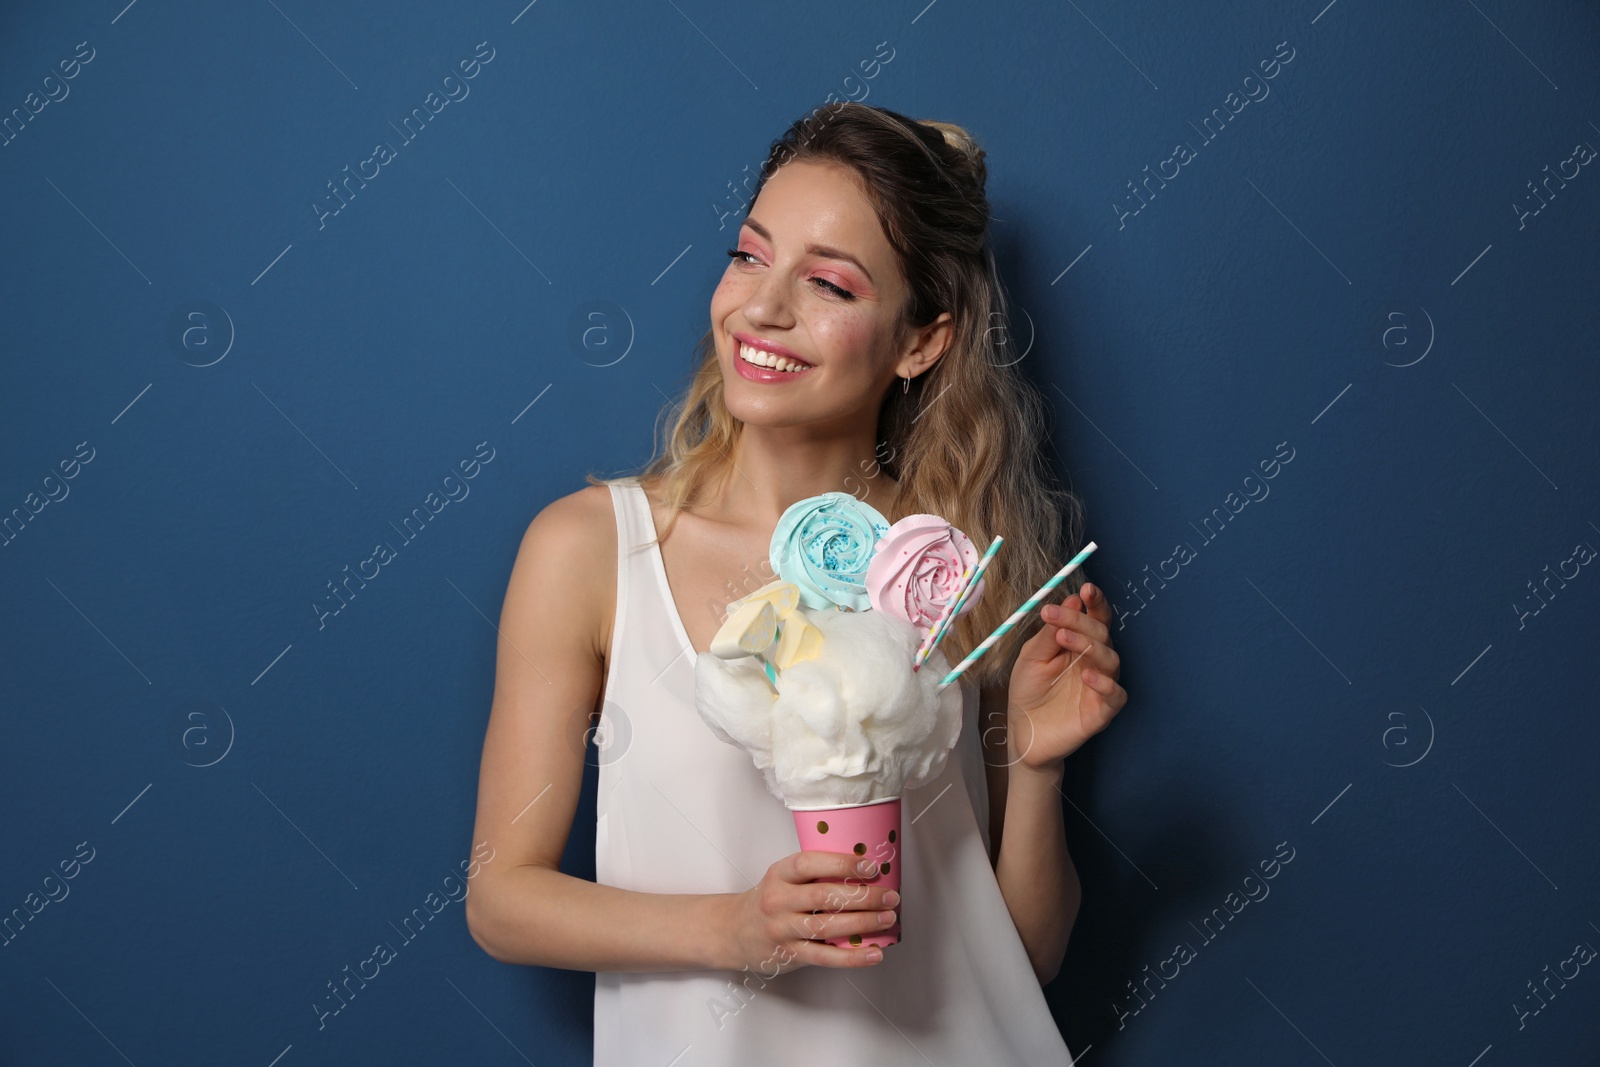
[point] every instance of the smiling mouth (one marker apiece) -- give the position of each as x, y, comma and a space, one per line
768, 361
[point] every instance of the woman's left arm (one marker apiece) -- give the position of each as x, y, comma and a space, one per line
1062, 691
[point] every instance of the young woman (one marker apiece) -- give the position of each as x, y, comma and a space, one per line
856, 344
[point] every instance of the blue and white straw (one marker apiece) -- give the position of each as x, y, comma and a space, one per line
969, 581
1031, 603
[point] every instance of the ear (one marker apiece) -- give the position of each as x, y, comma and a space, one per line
925, 345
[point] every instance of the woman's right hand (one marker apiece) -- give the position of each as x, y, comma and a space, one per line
772, 924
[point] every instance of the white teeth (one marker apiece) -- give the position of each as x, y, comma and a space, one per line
768, 360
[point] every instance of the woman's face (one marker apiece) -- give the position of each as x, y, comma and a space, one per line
814, 279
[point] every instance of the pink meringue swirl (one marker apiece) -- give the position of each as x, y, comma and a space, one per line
916, 570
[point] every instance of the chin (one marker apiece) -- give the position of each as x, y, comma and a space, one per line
750, 414
767, 415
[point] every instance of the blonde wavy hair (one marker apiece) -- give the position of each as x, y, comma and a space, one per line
979, 462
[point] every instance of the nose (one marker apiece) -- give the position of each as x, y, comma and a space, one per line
768, 302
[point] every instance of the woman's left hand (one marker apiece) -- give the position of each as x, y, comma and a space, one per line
1064, 687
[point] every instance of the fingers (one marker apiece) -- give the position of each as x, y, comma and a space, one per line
844, 904
1090, 653
1043, 645
1095, 599
1090, 599
821, 954
797, 950
843, 896
811, 864
1090, 625
1115, 696
833, 881
828, 924
1112, 695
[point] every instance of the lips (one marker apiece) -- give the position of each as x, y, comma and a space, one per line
768, 362
779, 362
756, 372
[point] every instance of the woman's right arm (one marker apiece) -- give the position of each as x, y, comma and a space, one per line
549, 673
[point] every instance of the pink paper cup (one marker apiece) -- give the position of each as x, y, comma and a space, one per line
864, 831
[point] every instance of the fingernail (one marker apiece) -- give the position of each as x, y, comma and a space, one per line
874, 954
891, 898
1089, 591
868, 867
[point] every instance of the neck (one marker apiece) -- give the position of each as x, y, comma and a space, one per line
776, 466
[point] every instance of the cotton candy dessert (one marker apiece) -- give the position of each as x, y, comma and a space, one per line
812, 674
816, 675
850, 725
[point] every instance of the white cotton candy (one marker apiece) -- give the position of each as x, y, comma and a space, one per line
852, 726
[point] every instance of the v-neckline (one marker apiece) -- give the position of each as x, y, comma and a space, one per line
661, 574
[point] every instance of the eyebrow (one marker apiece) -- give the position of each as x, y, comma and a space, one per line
817, 250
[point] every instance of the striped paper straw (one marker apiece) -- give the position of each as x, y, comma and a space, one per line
1031, 603
937, 629
969, 581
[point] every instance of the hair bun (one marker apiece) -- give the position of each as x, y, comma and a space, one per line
958, 138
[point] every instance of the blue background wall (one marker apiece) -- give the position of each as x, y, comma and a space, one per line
250, 391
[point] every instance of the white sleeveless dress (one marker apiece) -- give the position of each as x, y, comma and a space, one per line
679, 811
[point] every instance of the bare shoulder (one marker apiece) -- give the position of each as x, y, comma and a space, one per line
568, 558
578, 515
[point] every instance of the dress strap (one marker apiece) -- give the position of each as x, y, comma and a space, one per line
622, 506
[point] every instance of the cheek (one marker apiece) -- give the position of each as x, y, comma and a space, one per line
725, 297
850, 338
734, 288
